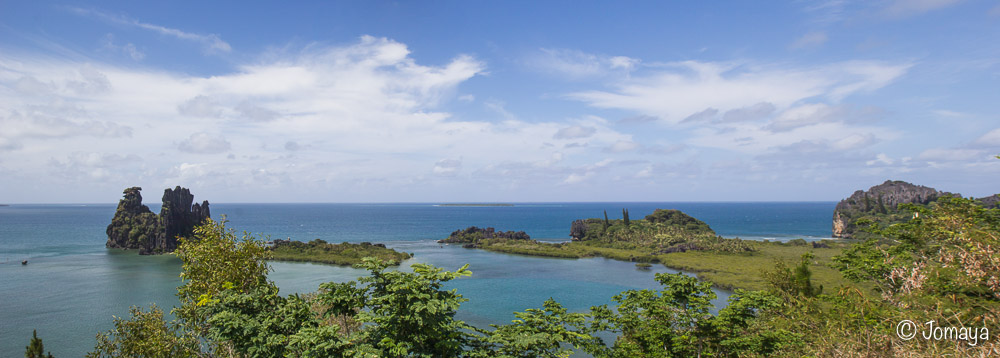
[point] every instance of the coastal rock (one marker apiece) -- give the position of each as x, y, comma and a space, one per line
880, 203
179, 217
134, 226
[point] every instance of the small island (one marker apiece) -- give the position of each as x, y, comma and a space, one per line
477, 204
319, 251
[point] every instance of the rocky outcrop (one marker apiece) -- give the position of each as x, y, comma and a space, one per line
134, 226
179, 217
990, 202
879, 203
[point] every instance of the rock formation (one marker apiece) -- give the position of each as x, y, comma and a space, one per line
879, 203
134, 226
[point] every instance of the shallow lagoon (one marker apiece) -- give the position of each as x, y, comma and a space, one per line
73, 285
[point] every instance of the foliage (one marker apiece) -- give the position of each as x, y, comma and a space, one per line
677, 322
260, 323
473, 235
35, 348
145, 334
410, 314
217, 259
539, 333
795, 282
320, 251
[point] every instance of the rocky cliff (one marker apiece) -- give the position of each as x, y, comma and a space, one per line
879, 203
134, 226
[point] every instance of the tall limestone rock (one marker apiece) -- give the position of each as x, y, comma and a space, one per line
134, 226
179, 217
879, 203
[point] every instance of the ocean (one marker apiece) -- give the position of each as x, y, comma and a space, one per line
73, 286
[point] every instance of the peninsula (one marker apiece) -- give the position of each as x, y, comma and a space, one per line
666, 236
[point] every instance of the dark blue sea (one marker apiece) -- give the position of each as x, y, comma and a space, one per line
73, 285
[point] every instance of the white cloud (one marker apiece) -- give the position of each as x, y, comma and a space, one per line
447, 167
366, 110
903, 8
687, 88
128, 49
212, 43
950, 154
204, 143
575, 64
622, 146
575, 132
881, 158
990, 139
200, 106
811, 39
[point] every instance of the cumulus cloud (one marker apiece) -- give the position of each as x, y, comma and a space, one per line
200, 106
366, 109
204, 143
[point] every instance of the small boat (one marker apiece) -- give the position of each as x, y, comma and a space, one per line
24, 262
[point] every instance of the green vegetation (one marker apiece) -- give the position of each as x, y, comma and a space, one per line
320, 251
35, 348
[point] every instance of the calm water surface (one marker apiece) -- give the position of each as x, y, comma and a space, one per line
73, 285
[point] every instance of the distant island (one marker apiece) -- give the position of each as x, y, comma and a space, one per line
319, 251
880, 205
476, 204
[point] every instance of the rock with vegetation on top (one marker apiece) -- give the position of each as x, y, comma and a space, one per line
134, 226
879, 203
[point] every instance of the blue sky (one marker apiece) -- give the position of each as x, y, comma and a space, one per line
360, 101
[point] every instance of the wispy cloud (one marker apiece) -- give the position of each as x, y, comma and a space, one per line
211, 43
683, 89
811, 39
574, 64
904, 8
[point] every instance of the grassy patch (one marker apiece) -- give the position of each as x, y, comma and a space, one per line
743, 270
319, 251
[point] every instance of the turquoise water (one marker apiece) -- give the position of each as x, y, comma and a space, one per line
73, 286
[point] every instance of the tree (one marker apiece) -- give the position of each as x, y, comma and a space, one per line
145, 334
539, 333
625, 218
410, 314
607, 223
214, 259
35, 348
